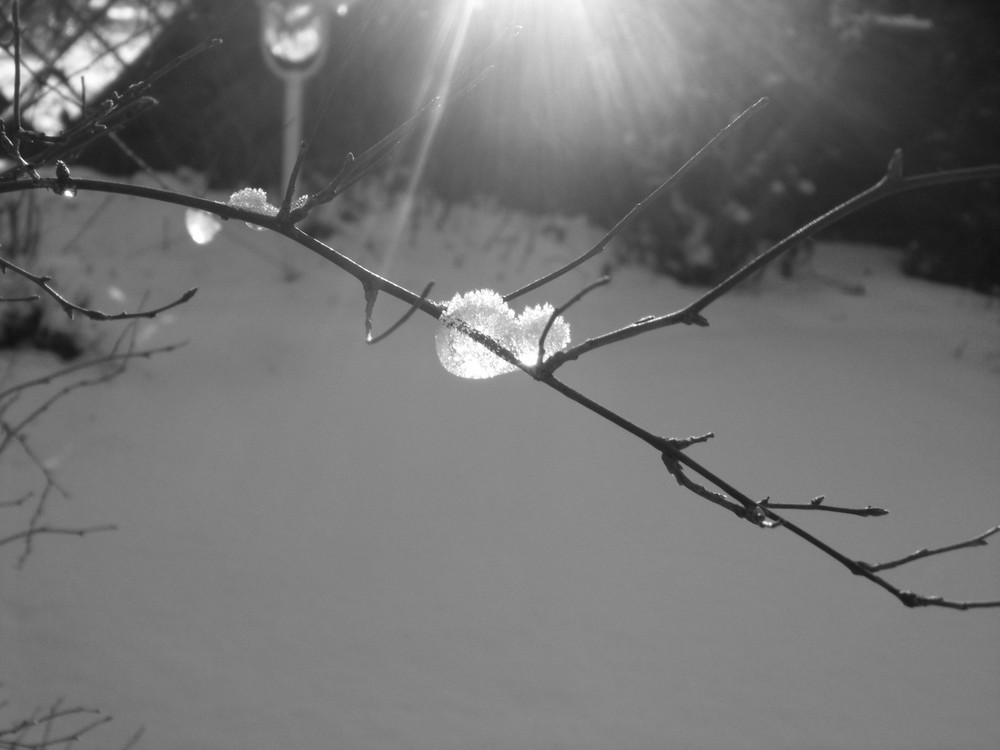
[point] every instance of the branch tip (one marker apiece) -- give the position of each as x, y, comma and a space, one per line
682, 443
976, 541
642, 205
894, 172
405, 317
371, 294
541, 370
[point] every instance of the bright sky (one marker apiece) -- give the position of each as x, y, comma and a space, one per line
88, 65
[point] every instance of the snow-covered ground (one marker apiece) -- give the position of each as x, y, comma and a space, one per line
324, 544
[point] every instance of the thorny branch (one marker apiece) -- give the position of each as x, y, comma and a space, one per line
678, 463
672, 451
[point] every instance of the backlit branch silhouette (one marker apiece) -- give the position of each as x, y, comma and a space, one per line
689, 473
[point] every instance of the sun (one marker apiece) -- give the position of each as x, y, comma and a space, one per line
563, 74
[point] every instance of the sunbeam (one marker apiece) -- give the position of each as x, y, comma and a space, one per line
440, 73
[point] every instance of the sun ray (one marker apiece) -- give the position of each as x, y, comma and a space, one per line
448, 47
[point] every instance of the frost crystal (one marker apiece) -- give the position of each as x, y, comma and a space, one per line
255, 199
532, 323
486, 311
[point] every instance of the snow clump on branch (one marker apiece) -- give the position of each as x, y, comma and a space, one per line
485, 311
255, 199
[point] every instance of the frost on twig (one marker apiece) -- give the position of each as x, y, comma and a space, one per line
485, 311
255, 199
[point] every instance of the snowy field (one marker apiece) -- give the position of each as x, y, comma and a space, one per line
324, 544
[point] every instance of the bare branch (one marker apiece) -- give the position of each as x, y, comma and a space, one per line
12, 144
817, 504
355, 169
104, 119
976, 541
559, 311
677, 462
37, 530
134, 739
13, 433
286, 202
406, 316
677, 472
18, 501
642, 205
888, 186
119, 360
16, 18
15, 736
42, 282
113, 358
66, 737
908, 598
371, 294
682, 443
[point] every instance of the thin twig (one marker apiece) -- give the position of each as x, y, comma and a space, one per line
16, 18
13, 737
18, 501
120, 361
356, 168
642, 205
286, 202
691, 315
134, 739
42, 282
36, 530
11, 433
69, 736
559, 311
109, 115
868, 510
12, 437
976, 541
406, 316
674, 458
371, 294
682, 443
677, 472
12, 145
908, 598
70, 369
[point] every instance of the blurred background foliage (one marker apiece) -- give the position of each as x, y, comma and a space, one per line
588, 107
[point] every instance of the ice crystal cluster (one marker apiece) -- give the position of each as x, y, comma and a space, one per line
486, 311
255, 199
